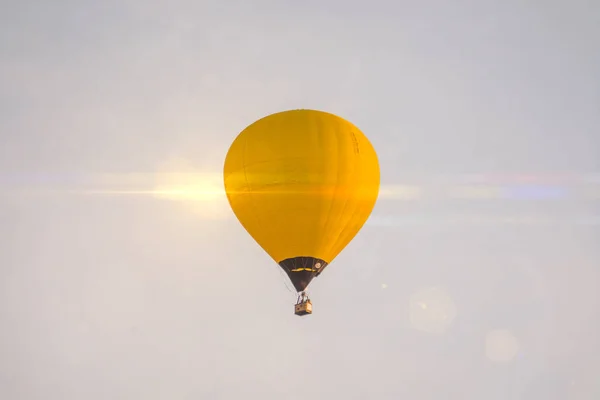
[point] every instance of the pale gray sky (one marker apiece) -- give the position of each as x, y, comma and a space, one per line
450, 292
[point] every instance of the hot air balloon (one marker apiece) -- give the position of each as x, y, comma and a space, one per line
302, 183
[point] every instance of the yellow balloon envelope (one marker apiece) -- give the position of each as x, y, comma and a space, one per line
302, 183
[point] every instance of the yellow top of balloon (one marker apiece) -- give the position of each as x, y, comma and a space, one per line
302, 183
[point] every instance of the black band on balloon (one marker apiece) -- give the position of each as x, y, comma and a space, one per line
302, 270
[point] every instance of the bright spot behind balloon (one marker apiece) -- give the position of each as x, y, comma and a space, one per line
203, 193
501, 346
431, 310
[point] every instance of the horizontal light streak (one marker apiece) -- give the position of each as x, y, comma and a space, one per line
209, 186
381, 220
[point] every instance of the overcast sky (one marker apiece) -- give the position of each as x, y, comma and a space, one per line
123, 274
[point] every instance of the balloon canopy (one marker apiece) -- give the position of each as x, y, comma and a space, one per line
302, 183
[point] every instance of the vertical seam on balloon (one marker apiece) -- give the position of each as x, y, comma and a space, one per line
344, 231
334, 195
248, 186
342, 234
333, 243
252, 199
313, 125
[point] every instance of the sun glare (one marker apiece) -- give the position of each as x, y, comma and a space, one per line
202, 193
